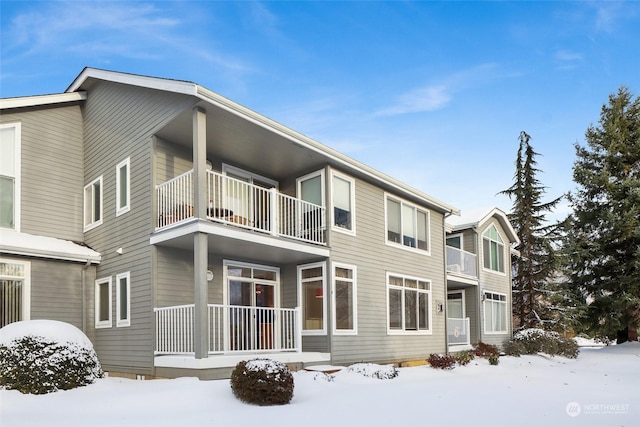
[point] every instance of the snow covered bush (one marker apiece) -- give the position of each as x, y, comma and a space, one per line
262, 382
371, 370
440, 361
533, 341
43, 356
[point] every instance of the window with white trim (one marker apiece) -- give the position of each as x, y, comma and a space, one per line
407, 224
15, 291
123, 299
123, 187
103, 303
495, 312
312, 297
93, 204
409, 304
10, 147
493, 250
345, 317
343, 202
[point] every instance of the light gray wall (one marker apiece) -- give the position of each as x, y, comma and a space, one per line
495, 282
51, 170
119, 122
373, 258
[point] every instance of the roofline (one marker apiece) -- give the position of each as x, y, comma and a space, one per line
41, 100
207, 95
513, 236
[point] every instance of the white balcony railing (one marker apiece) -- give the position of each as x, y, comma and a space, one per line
242, 204
458, 331
461, 262
231, 329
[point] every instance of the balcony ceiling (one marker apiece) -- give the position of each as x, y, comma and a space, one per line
233, 139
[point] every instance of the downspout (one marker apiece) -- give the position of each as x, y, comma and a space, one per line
446, 283
84, 296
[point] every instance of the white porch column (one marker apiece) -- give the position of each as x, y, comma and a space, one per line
200, 240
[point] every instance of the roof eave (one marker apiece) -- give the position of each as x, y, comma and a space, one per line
42, 100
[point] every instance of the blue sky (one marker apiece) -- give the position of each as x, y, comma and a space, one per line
432, 93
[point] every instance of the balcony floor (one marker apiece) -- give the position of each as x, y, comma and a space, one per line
230, 241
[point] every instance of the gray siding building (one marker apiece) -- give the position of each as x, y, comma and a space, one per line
183, 232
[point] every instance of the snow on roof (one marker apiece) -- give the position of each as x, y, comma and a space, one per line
476, 217
13, 242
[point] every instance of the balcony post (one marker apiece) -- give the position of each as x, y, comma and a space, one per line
273, 211
200, 162
201, 296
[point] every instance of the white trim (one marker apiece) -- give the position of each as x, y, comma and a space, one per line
354, 298
308, 176
226, 168
506, 259
93, 224
17, 179
484, 312
26, 288
119, 321
100, 324
352, 201
459, 236
127, 206
464, 309
24, 244
38, 100
301, 267
225, 277
402, 331
402, 202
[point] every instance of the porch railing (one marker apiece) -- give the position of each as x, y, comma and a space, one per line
231, 329
242, 204
461, 262
458, 331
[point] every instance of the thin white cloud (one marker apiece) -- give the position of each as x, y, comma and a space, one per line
437, 96
100, 31
564, 55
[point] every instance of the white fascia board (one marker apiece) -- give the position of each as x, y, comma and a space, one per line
310, 144
41, 100
168, 85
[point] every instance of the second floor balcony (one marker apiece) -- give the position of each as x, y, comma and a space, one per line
461, 262
241, 204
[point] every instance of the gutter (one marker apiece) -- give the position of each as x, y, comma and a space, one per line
84, 295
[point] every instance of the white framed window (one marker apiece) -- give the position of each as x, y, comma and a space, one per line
407, 225
93, 204
454, 241
123, 299
493, 250
345, 297
343, 203
15, 291
103, 303
495, 313
310, 188
10, 176
409, 305
312, 295
123, 186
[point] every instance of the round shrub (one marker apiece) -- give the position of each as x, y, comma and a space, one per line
262, 382
533, 341
43, 356
441, 361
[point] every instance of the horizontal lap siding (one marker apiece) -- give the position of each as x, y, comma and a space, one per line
494, 282
373, 259
51, 170
120, 122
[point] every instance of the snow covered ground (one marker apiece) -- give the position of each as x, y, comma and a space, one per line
600, 388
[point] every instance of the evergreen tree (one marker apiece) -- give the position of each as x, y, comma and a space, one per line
603, 233
534, 267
